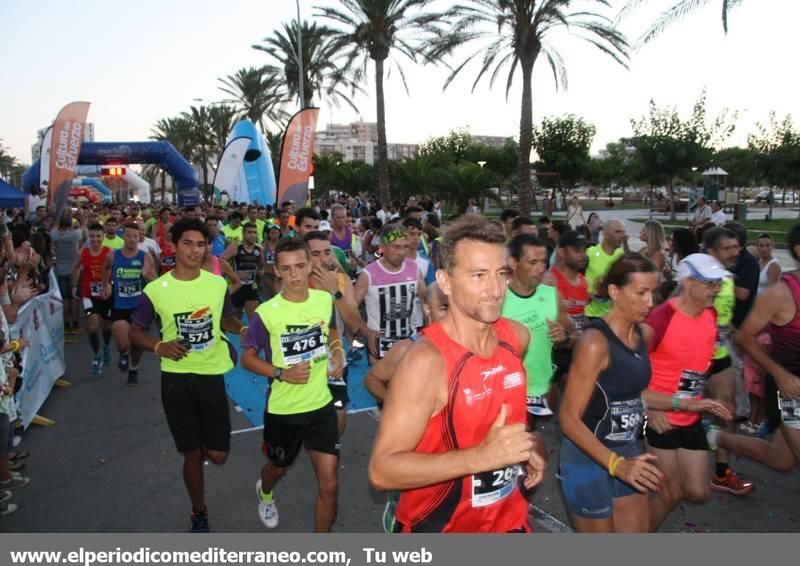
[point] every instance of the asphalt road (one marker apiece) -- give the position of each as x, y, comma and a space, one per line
109, 465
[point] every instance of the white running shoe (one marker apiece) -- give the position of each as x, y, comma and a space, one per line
267, 512
537, 405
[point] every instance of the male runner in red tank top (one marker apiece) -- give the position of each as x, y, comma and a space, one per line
452, 435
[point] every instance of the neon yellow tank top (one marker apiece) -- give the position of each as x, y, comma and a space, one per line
193, 310
298, 332
724, 303
597, 268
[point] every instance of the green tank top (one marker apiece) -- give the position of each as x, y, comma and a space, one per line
298, 332
193, 310
597, 268
723, 304
534, 312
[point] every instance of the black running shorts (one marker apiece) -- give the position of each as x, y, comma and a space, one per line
197, 411
121, 314
692, 437
285, 434
719, 365
244, 295
97, 306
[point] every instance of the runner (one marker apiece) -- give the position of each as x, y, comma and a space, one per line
452, 435
389, 287
159, 229
684, 334
217, 239
233, 231
193, 308
271, 286
111, 240
326, 276
126, 271
722, 244
88, 271
600, 258
605, 474
538, 307
248, 264
776, 311
297, 331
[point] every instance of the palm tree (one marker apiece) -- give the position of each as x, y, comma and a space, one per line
675, 13
258, 93
202, 140
516, 32
373, 29
323, 75
466, 181
177, 132
220, 121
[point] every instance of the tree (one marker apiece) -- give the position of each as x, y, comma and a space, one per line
220, 120
563, 146
679, 10
202, 141
373, 30
420, 174
451, 148
466, 180
668, 146
176, 131
517, 32
619, 165
7, 162
323, 73
741, 164
258, 94
777, 148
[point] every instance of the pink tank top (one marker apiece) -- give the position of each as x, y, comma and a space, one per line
786, 338
217, 267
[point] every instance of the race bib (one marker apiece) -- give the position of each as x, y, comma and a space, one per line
269, 259
96, 289
627, 420
197, 329
691, 384
385, 344
246, 277
302, 346
336, 381
129, 289
790, 412
168, 261
578, 321
491, 487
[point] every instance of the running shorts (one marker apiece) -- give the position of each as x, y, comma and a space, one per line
97, 306
197, 411
121, 314
285, 434
780, 411
691, 437
244, 295
719, 365
588, 489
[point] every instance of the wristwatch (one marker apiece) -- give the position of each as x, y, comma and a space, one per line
277, 374
337, 295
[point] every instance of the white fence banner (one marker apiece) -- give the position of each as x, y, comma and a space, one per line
41, 321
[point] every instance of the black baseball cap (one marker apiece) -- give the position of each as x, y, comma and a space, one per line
574, 239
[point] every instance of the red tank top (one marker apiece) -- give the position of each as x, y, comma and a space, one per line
786, 338
491, 501
574, 297
92, 278
680, 355
167, 258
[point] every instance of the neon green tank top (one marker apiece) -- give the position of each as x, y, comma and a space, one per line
597, 268
298, 332
724, 303
534, 312
193, 310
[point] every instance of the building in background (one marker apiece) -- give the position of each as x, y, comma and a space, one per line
358, 141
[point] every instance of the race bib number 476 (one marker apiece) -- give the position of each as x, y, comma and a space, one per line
303, 345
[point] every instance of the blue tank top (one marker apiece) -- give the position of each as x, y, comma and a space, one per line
128, 280
615, 413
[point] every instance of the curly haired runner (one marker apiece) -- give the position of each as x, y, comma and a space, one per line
452, 435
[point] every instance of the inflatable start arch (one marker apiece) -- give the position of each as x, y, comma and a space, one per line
122, 153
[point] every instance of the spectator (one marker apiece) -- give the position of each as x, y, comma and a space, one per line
66, 244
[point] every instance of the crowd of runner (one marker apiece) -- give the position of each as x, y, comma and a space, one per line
475, 331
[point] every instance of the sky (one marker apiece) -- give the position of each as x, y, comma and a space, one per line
146, 60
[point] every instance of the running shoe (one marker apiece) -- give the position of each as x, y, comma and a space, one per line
123, 362
16, 481
764, 430
7, 509
538, 406
97, 364
731, 483
5, 496
133, 377
267, 512
16, 466
107, 359
200, 522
